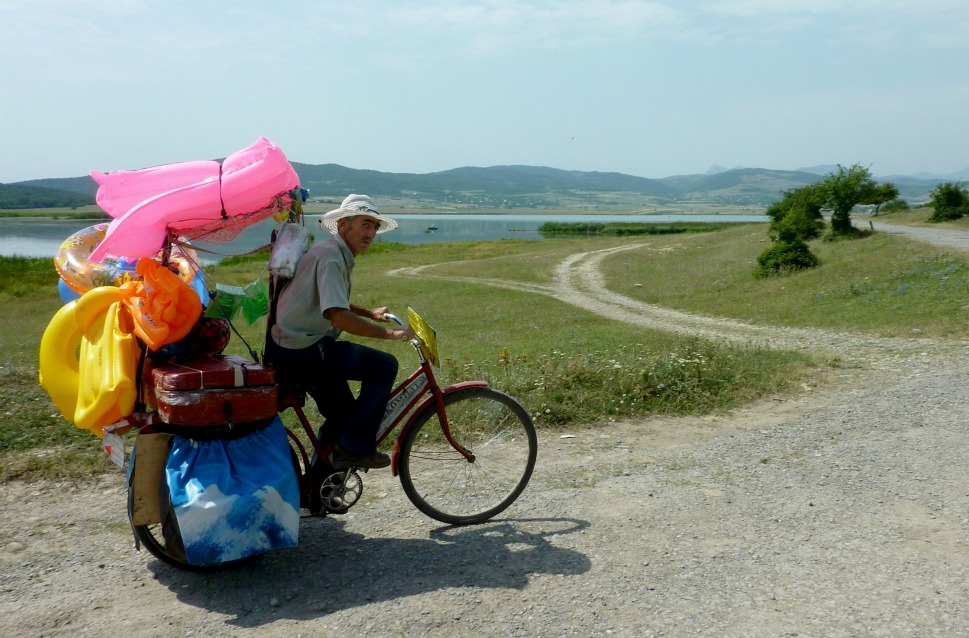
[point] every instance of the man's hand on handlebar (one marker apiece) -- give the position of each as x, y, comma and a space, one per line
380, 314
404, 333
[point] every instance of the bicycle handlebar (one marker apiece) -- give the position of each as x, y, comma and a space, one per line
415, 342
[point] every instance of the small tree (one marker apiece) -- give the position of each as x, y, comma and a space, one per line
950, 201
799, 209
842, 192
794, 219
880, 194
895, 205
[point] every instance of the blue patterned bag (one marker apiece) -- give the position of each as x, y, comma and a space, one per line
234, 498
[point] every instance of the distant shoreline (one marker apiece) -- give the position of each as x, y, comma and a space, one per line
96, 215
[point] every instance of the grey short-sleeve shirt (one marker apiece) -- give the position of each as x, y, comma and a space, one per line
322, 281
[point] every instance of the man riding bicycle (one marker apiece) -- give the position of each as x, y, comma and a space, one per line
313, 310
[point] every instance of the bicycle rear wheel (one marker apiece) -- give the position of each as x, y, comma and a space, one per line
449, 488
170, 551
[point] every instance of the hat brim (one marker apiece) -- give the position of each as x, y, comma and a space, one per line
328, 222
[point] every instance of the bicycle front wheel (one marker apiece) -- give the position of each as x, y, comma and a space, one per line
445, 485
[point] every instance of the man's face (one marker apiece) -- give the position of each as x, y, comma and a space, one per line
358, 232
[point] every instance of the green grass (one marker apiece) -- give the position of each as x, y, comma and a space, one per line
567, 366
34, 438
23, 277
881, 284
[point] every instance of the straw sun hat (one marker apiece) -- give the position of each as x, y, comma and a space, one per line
356, 205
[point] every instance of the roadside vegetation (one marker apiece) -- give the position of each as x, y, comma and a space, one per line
588, 229
949, 201
570, 368
882, 284
797, 217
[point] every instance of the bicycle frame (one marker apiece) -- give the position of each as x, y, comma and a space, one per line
408, 398
498, 427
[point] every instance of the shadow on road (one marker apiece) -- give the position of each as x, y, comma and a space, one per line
333, 569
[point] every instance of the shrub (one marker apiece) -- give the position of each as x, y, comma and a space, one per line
797, 216
785, 257
950, 201
895, 205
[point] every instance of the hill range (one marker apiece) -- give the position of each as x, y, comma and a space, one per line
515, 187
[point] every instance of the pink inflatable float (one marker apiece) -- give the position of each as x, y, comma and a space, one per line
150, 203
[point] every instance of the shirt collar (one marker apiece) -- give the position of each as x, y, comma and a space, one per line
347, 253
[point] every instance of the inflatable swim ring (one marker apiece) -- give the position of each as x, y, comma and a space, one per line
106, 390
88, 360
66, 293
76, 270
71, 262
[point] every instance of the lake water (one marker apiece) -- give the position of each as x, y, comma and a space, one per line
42, 238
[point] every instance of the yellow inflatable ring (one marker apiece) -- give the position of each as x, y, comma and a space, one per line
109, 354
88, 360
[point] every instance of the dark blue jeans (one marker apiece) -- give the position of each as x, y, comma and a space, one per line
325, 370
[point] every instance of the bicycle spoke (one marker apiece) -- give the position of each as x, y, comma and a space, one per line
445, 485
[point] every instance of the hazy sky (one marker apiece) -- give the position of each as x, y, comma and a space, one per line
646, 88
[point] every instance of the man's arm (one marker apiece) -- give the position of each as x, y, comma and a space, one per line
377, 314
354, 322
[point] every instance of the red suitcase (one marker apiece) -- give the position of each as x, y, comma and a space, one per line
203, 373
213, 390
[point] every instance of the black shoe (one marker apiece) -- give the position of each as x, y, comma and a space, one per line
345, 458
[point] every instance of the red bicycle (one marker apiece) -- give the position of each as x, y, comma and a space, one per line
464, 454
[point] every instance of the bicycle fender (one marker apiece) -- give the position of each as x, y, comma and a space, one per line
426, 404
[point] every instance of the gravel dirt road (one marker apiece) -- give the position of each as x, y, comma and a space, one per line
841, 512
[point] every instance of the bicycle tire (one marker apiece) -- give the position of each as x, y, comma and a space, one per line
444, 485
153, 540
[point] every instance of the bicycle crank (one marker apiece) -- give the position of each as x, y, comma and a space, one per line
340, 491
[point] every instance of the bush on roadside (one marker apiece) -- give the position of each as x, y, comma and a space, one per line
950, 201
895, 206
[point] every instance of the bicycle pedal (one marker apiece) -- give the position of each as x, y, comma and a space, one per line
344, 467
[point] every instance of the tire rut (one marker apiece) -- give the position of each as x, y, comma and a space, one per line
578, 281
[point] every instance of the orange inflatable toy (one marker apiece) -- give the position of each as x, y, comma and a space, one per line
164, 308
